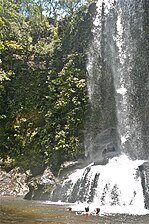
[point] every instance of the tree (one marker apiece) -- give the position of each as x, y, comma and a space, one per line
44, 92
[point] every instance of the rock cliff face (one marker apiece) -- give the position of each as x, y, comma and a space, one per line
41, 186
118, 81
118, 120
18, 183
118, 86
13, 183
144, 170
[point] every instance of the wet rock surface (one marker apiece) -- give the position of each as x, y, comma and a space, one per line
17, 182
41, 186
144, 171
13, 183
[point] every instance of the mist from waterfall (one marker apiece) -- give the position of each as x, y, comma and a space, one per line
118, 35
129, 121
115, 187
117, 74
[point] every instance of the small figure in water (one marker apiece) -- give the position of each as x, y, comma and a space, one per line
97, 211
69, 209
87, 209
86, 212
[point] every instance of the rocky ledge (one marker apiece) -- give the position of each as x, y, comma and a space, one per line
14, 182
17, 182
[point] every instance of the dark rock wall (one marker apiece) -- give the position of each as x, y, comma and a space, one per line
104, 59
144, 171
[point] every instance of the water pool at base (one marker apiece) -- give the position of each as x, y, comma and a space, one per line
19, 211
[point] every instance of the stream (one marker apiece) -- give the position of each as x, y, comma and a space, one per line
19, 211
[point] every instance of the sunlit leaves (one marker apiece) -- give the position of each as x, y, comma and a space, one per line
43, 89
12, 44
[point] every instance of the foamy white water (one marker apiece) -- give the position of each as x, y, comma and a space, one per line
118, 189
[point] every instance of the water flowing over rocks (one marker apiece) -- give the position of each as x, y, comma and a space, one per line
103, 184
116, 170
117, 124
71, 186
116, 130
118, 79
41, 187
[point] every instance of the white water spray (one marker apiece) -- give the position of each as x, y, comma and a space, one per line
118, 188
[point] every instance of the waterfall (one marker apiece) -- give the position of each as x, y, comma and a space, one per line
128, 38
116, 130
115, 187
118, 53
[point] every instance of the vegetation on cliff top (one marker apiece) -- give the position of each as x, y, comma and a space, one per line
43, 98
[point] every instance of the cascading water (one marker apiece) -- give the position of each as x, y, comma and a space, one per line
118, 53
118, 89
128, 39
115, 187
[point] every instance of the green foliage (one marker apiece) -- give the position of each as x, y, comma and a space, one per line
67, 100
43, 81
1, 34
